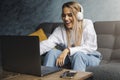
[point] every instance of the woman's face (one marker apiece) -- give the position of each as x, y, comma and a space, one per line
67, 17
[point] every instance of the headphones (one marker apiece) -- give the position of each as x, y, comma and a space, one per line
80, 14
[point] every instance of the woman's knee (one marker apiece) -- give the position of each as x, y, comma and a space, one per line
79, 55
53, 52
79, 61
95, 61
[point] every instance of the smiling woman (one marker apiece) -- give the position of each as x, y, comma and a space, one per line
78, 38
73, 22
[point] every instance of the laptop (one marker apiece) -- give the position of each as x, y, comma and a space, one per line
21, 54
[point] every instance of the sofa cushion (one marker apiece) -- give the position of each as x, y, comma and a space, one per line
40, 33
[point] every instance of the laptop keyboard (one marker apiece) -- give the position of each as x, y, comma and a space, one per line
44, 69
47, 70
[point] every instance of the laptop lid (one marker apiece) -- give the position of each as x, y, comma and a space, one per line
21, 54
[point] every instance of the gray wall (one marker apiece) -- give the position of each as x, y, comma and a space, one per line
21, 17
102, 10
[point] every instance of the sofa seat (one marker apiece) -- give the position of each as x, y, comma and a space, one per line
110, 71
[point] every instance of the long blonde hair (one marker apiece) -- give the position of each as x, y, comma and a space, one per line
78, 24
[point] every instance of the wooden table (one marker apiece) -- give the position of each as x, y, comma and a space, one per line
54, 76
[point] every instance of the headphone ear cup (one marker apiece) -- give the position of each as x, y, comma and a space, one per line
79, 15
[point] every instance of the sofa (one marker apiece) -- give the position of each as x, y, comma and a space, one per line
108, 38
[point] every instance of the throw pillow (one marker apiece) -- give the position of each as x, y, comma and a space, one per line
40, 33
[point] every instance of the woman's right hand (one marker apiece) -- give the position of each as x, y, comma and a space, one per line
61, 58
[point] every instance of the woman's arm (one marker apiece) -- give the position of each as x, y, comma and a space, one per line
51, 42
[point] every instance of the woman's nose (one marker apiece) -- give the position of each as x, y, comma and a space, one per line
66, 17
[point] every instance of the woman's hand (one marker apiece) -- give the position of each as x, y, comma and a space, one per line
61, 58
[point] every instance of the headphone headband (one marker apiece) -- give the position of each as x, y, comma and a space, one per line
80, 13
81, 9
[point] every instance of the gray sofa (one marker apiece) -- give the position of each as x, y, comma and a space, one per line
108, 34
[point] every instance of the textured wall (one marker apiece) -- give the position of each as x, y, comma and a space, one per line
21, 17
102, 10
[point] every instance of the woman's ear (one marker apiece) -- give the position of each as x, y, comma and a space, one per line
79, 15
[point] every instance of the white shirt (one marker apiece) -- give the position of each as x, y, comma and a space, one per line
88, 43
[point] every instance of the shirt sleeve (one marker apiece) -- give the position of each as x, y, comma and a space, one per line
50, 43
89, 40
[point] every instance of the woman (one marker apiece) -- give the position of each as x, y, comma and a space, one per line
77, 38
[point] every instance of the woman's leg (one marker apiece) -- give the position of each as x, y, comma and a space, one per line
51, 56
94, 58
79, 61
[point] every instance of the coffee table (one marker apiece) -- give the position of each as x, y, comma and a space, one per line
54, 76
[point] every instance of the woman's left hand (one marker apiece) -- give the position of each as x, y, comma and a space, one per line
61, 58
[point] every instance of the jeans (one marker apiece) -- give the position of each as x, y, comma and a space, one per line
79, 60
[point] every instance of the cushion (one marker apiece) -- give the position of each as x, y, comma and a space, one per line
40, 33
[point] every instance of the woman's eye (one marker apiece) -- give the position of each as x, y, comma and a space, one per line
70, 14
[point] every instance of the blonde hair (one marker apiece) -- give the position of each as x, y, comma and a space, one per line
77, 27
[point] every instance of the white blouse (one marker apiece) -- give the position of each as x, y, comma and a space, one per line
88, 43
